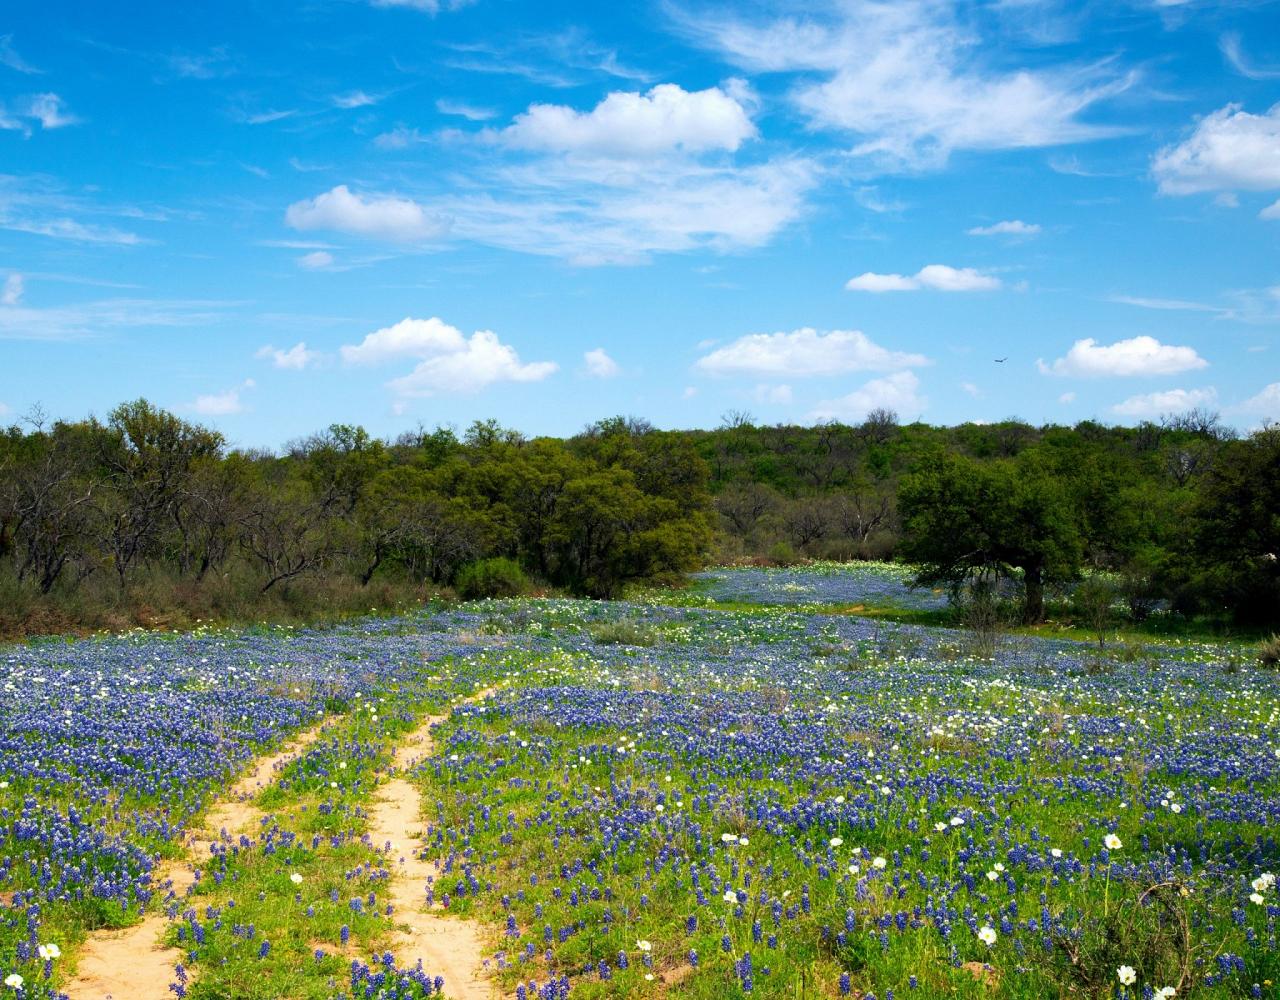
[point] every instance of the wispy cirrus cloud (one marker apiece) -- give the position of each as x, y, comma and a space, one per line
910, 82
9, 57
90, 319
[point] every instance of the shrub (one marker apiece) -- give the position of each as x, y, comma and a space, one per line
782, 554
1269, 652
624, 633
496, 577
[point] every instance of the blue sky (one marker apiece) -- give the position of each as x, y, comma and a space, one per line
274, 216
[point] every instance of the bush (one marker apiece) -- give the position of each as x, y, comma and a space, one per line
1269, 652
623, 633
491, 578
782, 554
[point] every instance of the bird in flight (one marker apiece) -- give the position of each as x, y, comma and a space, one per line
1001, 361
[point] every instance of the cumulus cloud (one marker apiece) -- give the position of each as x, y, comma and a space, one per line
1265, 404
11, 294
937, 277
222, 404
1010, 227
600, 365
384, 217
1154, 404
803, 353
296, 358
448, 361
1135, 356
899, 392
664, 119
910, 80
1230, 149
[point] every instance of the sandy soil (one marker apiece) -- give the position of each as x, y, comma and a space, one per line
132, 964
447, 947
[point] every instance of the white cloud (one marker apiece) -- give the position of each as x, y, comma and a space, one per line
1271, 212
71, 322
910, 79
689, 392
410, 338
805, 352
938, 277
355, 99
460, 109
9, 57
11, 294
899, 392
221, 404
267, 117
1154, 404
625, 125
620, 214
1067, 397
448, 361
1010, 227
5, 409
777, 395
1234, 51
317, 260
399, 138
70, 229
426, 6
47, 109
1229, 150
1135, 356
1168, 305
378, 217
296, 358
600, 365
1265, 404
971, 389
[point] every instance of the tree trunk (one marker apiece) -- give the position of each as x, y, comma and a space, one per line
1033, 580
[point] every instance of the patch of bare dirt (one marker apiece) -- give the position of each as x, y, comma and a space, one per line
133, 964
447, 947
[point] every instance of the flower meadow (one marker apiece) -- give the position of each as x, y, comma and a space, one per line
767, 801
873, 584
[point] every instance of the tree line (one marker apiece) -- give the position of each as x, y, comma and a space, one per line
115, 504
146, 503
1182, 512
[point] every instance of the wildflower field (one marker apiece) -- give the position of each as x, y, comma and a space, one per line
645, 799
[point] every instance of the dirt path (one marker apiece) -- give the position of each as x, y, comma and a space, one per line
447, 946
132, 964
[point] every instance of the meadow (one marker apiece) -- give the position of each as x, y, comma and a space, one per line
650, 798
